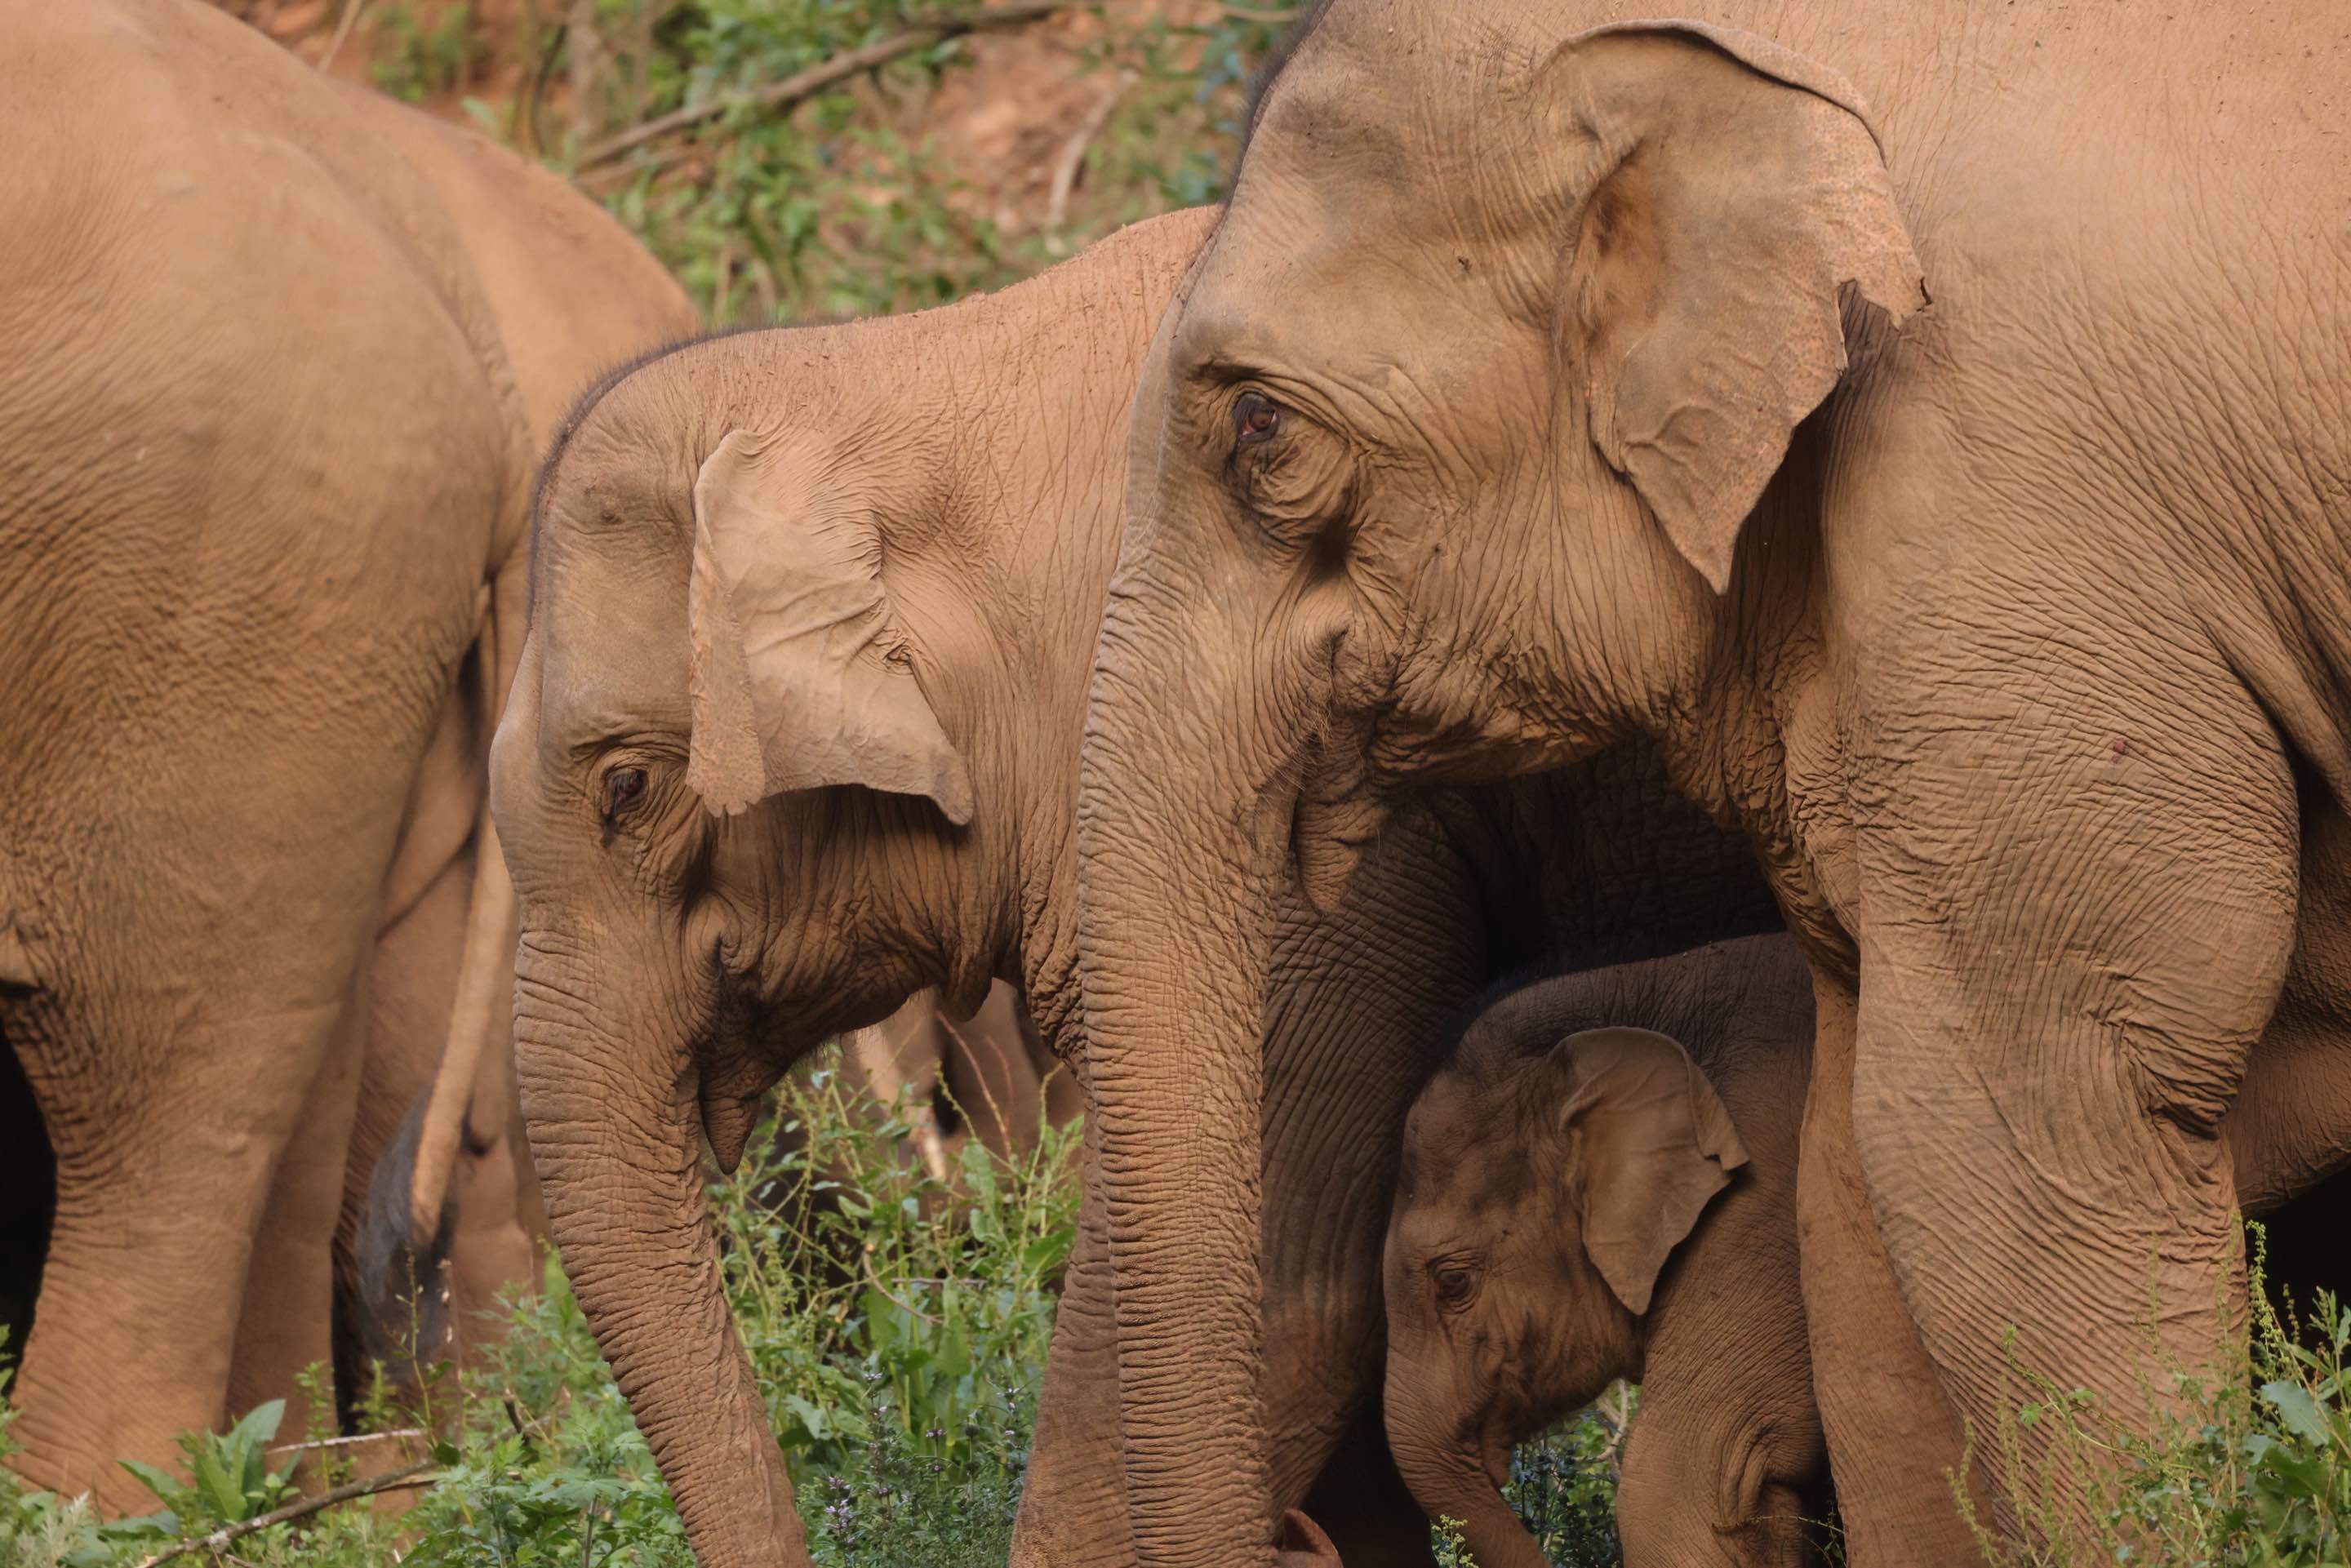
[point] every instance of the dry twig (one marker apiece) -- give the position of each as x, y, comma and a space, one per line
807, 84
217, 1541
1073, 160
351, 10
347, 1442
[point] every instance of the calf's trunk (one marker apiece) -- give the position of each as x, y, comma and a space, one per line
616, 1133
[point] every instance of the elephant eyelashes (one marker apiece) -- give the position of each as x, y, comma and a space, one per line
1455, 1284
1256, 419
623, 787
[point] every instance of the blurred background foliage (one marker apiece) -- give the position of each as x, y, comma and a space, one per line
958, 160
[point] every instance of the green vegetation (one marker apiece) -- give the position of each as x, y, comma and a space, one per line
898, 1325
415, 58
2256, 1474
1563, 1486
855, 202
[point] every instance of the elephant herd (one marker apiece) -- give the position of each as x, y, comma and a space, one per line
1676, 704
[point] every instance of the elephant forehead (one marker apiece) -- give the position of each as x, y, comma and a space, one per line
1420, 102
611, 632
1465, 1150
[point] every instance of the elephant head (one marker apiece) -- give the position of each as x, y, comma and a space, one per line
1439, 466
1569, 1150
804, 667
1541, 1197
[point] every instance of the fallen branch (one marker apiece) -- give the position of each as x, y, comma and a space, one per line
1073, 161
317, 1443
217, 1541
807, 84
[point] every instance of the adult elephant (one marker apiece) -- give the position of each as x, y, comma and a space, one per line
1555, 377
280, 356
795, 734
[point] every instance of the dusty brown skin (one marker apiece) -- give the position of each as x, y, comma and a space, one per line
1485, 433
1600, 1183
1561, 1223
276, 358
954, 478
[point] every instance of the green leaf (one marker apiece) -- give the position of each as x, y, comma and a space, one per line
2296, 1410
167, 1488
221, 1492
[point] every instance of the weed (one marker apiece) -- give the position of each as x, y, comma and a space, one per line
847, 204
898, 1326
2244, 1462
1563, 1486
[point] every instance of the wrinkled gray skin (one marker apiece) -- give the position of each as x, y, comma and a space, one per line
970, 461
1600, 1183
1483, 433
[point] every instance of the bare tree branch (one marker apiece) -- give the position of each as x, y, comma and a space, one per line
217, 1541
807, 84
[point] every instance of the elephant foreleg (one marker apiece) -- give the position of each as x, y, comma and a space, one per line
2078, 896
286, 1326
1893, 1440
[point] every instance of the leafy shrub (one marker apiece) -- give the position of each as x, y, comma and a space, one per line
415, 59
846, 205
898, 1326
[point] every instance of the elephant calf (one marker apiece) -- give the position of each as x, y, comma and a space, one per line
1600, 1183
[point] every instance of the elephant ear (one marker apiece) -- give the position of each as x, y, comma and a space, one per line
1732, 194
1653, 1147
799, 668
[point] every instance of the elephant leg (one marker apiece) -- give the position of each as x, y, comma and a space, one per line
285, 1324
165, 1155
1893, 1440
1073, 1508
2077, 889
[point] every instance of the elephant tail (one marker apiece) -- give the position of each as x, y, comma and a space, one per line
402, 1302
404, 1236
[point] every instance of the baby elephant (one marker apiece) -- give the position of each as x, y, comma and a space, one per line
1601, 1184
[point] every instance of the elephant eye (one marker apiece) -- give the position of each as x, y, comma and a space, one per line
1256, 419
623, 787
1455, 1284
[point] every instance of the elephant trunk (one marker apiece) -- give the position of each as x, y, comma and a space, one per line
616, 1133
1445, 1466
1171, 956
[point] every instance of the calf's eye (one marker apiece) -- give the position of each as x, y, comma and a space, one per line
1257, 418
623, 787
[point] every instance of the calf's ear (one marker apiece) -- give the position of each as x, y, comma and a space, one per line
800, 666
1729, 201
1653, 1144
